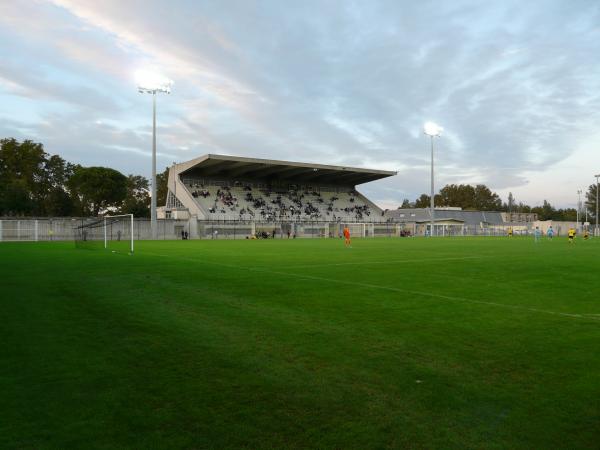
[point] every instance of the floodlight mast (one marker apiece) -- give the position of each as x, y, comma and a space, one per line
432, 130
578, 209
153, 84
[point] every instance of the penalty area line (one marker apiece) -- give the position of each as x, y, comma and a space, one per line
387, 288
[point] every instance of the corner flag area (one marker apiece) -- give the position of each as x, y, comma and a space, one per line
284, 343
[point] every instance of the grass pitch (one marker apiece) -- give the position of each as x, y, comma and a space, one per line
419, 343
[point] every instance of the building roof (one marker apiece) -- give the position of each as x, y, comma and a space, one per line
236, 167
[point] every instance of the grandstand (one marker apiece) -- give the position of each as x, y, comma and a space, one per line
228, 188
235, 197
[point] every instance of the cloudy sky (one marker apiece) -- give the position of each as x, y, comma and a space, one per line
515, 84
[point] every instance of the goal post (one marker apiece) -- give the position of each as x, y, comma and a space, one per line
126, 220
109, 232
357, 229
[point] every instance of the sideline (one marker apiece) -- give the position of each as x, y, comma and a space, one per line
385, 288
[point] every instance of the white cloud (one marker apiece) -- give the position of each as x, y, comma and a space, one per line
514, 85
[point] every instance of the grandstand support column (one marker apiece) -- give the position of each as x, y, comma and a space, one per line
193, 227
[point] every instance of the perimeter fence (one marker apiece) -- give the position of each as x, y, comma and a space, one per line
63, 229
241, 229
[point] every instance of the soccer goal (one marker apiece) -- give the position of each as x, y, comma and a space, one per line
109, 232
357, 229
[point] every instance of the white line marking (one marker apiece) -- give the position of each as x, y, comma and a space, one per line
385, 288
391, 261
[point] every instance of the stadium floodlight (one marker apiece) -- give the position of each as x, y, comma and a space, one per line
153, 83
597, 186
432, 130
578, 208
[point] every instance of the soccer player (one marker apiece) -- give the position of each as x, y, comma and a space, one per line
586, 234
537, 234
571, 235
510, 232
550, 232
347, 236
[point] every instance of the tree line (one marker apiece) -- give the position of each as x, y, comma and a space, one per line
35, 183
481, 198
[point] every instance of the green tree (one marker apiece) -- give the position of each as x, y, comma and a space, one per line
137, 200
590, 200
462, 195
545, 212
15, 198
567, 214
59, 203
405, 204
422, 201
486, 200
523, 208
97, 188
53, 195
21, 170
31, 181
162, 187
511, 202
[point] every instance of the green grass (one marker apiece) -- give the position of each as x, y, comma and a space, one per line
418, 343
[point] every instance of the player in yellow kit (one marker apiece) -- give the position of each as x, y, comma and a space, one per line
571, 235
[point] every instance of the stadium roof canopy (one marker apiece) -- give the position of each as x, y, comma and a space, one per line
235, 167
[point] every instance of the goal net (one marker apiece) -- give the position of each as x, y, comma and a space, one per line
357, 230
113, 233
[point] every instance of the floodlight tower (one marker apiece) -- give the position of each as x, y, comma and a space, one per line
578, 206
432, 130
597, 186
151, 83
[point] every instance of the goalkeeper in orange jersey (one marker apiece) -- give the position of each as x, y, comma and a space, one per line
347, 236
